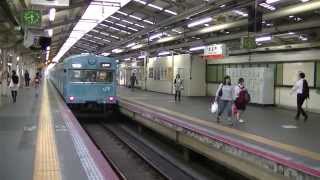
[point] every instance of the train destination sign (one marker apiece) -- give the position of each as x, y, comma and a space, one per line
105, 65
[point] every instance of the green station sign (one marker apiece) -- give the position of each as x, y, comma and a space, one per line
31, 17
248, 42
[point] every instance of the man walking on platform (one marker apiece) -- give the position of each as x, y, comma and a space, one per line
133, 80
302, 90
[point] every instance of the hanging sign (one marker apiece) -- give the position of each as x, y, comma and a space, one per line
248, 42
31, 17
50, 2
215, 51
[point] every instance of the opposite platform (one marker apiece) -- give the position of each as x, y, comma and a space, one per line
265, 133
41, 139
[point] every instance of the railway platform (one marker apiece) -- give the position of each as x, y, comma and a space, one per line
41, 139
270, 144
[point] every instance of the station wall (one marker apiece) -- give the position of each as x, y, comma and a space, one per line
161, 72
286, 66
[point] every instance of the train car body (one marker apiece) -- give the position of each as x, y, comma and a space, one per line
86, 79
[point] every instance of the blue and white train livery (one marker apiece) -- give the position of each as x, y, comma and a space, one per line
86, 79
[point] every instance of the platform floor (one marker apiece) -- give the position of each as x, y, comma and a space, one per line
36, 142
269, 128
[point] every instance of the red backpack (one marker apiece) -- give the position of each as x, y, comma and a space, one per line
244, 96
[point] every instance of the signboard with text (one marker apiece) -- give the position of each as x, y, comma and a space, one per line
248, 42
215, 51
50, 2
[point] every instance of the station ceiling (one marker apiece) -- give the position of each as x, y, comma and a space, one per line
160, 25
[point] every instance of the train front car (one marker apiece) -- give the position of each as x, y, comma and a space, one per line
90, 81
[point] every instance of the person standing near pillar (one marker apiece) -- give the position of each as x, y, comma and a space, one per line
27, 78
14, 86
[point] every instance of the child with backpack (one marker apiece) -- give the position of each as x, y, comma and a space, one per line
242, 98
14, 86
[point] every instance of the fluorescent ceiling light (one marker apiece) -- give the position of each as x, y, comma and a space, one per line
201, 21
130, 45
174, 30
48, 48
267, 6
52, 14
123, 13
127, 59
138, 46
114, 28
264, 38
170, 12
127, 21
108, 21
116, 37
155, 36
240, 13
155, 6
135, 17
121, 25
105, 54
117, 50
141, 57
291, 33
106, 40
166, 39
271, 1
197, 48
95, 13
141, 2
139, 25
304, 0
133, 29
164, 53
147, 21
115, 17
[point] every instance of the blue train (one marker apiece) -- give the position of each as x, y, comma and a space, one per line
86, 79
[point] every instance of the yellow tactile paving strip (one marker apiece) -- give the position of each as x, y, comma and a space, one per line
46, 164
289, 148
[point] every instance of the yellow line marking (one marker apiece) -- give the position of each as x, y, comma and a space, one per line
289, 148
46, 165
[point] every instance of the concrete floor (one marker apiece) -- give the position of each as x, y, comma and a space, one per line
269, 122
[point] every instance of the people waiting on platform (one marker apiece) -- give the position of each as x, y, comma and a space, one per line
14, 85
224, 97
242, 98
301, 88
133, 81
178, 87
36, 83
27, 78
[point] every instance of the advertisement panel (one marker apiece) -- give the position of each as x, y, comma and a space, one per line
215, 51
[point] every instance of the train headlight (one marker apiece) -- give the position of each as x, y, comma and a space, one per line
72, 98
111, 99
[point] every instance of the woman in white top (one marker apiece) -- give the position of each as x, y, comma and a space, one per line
224, 96
302, 90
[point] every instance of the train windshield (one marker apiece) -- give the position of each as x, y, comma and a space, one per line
100, 76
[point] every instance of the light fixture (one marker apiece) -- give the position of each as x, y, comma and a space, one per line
131, 45
117, 50
147, 21
141, 57
240, 13
127, 59
133, 29
138, 46
271, 1
170, 12
201, 21
163, 53
94, 15
18, 58
52, 14
135, 17
127, 21
139, 25
105, 54
155, 6
155, 36
123, 13
264, 38
141, 2
174, 30
197, 48
267, 6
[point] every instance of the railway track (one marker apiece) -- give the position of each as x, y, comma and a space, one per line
131, 157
